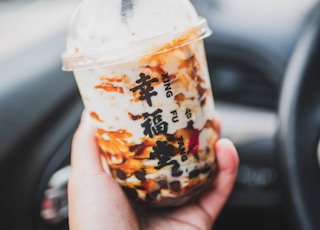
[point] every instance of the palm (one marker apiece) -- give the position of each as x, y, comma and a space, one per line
190, 217
194, 215
97, 202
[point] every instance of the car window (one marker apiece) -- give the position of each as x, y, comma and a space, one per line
24, 25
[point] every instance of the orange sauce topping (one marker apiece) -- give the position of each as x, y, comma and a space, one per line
109, 87
107, 84
95, 116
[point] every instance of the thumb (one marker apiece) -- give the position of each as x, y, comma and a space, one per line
216, 195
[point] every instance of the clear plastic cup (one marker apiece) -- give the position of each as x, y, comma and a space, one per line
141, 69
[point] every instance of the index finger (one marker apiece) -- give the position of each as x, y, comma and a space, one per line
85, 153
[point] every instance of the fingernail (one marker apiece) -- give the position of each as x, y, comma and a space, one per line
223, 142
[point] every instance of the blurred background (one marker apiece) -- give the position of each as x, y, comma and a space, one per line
40, 106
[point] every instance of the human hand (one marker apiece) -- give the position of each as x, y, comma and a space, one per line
97, 202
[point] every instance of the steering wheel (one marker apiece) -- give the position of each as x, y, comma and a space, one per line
299, 129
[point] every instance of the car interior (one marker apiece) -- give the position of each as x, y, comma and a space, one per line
263, 62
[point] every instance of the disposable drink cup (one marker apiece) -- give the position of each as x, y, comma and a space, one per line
152, 107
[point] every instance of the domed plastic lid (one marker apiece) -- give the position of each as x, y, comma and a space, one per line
107, 32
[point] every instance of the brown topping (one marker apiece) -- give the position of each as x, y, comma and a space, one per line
207, 150
132, 193
121, 174
115, 144
95, 116
156, 69
190, 65
126, 79
175, 186
206, 169
183, 81
108, 87
142, 151
140, 187
140, 175
210, 124
118, 135
194, 173
150, 185
180, 97
137, 149
153, 195
175, 171
203, 94
135, 117
109, 79
163, 184
129, 166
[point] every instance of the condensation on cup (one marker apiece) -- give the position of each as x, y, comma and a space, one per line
141, 69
